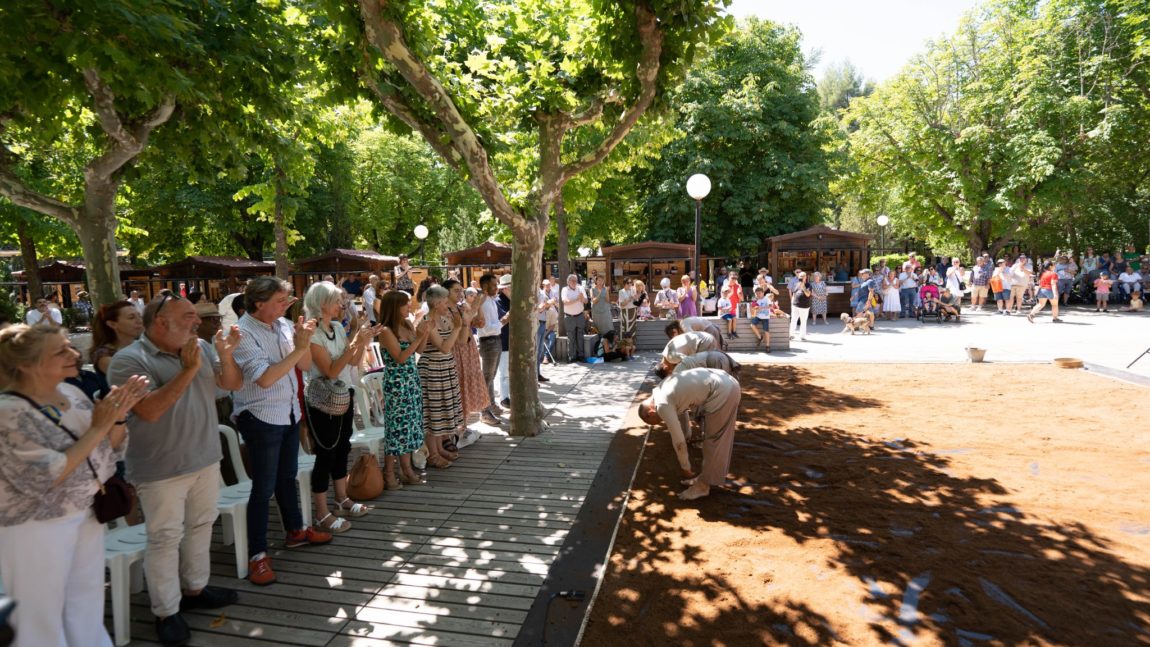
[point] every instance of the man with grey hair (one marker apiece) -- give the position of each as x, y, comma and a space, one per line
267, 415
490, 345
174, 455
574, 299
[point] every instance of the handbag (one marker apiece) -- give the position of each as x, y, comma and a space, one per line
327, 395
365, 481
115, 497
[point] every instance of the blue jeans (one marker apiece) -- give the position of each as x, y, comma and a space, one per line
274, 454
906, 300
540, 339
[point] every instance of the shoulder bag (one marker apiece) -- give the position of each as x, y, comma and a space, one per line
115, 497
327, 395
365, 480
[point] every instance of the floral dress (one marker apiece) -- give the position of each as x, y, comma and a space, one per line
473, 389
442, 401
403, 414
818, 299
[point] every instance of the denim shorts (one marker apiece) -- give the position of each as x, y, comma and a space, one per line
1045, 294
728, 317
1001, 296
761, 324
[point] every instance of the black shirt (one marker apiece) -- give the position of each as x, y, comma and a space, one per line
798, 298
503, 305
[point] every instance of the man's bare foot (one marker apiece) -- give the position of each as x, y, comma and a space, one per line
697, 490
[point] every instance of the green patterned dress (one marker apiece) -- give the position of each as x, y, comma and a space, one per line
403, 399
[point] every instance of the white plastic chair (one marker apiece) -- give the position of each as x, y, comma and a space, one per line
376, 355
369, 399
233, 503
123, 557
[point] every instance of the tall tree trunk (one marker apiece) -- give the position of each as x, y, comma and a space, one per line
526, 273
282, 268
31, 261
96, 229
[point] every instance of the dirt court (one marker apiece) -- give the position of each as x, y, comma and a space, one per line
975, 504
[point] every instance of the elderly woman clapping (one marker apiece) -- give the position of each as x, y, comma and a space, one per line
56, 449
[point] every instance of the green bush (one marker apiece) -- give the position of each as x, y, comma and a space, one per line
10, 310
892, 260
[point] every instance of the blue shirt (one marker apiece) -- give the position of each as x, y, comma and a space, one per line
260, 347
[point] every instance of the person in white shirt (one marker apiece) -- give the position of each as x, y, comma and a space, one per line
715, 395
694, 324
688, 343
908, 290
490, 346
43, 315
574, 299
135, 300
544, 306
369, 298
1130, 281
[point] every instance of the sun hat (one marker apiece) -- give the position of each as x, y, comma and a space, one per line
505, 281
207, 309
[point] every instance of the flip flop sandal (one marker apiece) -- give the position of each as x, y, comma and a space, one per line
438, 461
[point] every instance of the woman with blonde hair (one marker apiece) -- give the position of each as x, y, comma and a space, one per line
56, 450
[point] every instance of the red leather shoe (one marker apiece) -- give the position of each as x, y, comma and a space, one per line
307, 536
260, 571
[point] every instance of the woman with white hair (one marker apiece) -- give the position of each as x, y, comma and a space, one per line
666, 300
332, 359
442, 400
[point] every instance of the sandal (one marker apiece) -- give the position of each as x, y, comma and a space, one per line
449, 446
351, 509
438, 461
393, 485
336, 525
414, 480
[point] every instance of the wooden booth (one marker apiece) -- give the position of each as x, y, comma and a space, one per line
650, 262
66, 279
838, 255
214, 276
341, 264
473, 262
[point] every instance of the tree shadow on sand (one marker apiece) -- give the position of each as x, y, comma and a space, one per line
941, 557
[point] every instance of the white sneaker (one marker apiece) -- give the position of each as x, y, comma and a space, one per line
468, 437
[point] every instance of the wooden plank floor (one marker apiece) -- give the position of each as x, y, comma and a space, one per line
458, 561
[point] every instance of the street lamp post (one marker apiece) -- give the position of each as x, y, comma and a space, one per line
882, 221
421, 233
698, 186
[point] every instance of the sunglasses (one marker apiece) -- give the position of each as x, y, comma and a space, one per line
164, 299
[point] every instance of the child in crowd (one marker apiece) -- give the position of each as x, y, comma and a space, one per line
1102, 293
761, 323
1135, 303
930, 302
727, 311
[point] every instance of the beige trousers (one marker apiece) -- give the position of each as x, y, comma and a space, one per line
719, 416
180, 512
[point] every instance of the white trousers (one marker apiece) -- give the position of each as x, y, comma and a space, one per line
180, 513
55, 571
504, 378
799, 318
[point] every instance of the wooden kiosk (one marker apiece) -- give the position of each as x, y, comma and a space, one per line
215, 276
820, 249
340, 263
473, 262
650, 262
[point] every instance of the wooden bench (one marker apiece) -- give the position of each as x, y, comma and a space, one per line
651, 335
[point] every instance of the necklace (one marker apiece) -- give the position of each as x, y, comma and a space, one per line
330, 337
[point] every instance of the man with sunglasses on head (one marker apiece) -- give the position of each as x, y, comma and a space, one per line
267, 415
174, 455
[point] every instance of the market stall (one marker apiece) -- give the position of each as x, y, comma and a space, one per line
340, 264
473, 262
838, 255
214, 276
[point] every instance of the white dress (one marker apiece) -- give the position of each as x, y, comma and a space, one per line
890, 298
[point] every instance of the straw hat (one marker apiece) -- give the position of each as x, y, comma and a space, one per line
207, 309
505, 281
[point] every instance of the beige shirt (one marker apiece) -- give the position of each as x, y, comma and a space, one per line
704, 389
686, 344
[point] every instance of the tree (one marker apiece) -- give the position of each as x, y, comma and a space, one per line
496, 88
104, 76
748, 113
1014, 129
841, 82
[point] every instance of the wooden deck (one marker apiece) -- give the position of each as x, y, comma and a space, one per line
458, 561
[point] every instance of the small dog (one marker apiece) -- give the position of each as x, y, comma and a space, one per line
863, 322
627, 345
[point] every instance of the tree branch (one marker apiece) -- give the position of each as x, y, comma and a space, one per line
22, 195
398, 107
651, 36
124, 150
104, 104
387, 38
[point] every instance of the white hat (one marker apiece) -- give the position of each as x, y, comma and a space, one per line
505, 281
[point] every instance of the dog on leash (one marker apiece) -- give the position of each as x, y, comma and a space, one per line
863, 322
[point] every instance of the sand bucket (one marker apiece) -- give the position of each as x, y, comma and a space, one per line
1067, 362
975, 354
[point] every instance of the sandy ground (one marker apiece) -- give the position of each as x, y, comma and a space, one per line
886, 504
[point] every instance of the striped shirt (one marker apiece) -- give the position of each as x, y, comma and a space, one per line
260, 347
